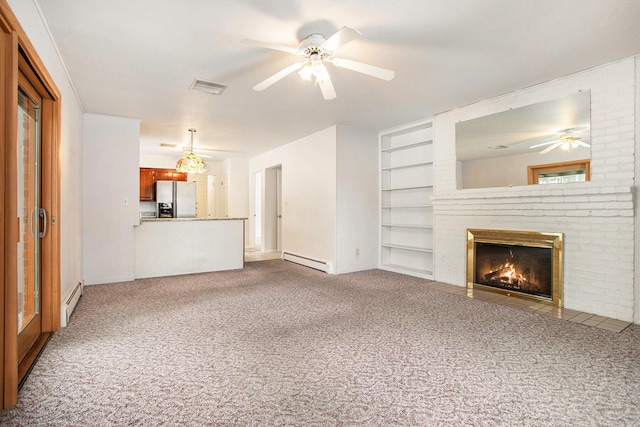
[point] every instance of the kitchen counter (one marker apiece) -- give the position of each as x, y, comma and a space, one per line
153, 219
172, 246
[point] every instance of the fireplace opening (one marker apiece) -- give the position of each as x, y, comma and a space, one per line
526, 264
516, 268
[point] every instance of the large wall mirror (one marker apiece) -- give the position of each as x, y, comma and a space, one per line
500, 149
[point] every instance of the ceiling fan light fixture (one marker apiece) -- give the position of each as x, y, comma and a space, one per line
569, 143
314, 68
321, 73
306, 72
191, 163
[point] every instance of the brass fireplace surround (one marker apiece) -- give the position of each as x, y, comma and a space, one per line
519, 238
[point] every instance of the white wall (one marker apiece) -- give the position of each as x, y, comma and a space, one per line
308, 194
329, 197
597, 217
160, 161
70, 221
357, 200
238, 188
111, 197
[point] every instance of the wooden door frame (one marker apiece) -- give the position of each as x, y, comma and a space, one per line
18, 53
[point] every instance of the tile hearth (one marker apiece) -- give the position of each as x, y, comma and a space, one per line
587, 319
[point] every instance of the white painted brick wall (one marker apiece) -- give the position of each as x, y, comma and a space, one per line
596, 217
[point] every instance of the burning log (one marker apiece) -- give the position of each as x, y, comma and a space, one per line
506, 277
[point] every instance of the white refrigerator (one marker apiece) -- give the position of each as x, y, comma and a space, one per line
180, 194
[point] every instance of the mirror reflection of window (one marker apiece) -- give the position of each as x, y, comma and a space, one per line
577, 175
560, 173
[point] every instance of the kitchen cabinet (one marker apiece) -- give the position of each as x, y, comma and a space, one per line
406, 178
170, 175
147, 184
148, 178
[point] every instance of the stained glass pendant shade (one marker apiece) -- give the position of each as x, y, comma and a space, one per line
191, 163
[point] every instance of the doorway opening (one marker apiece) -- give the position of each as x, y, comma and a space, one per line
272, 213
256, 214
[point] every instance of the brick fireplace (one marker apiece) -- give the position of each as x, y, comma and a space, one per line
596, 218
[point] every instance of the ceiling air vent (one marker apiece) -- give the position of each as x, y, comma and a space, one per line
207, 87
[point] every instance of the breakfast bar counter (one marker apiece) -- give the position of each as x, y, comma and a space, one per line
172, 246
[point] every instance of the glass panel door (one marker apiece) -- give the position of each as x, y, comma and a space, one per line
32, 219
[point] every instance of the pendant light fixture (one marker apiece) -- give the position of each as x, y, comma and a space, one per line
191, 163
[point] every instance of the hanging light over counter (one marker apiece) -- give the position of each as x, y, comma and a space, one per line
191, 163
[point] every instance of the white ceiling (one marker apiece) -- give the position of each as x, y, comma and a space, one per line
138, 58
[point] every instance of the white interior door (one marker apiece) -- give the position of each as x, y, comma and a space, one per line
279, 209
211, 199
270, 220
256, 207
224, 188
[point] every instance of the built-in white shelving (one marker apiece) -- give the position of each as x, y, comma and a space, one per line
406, 188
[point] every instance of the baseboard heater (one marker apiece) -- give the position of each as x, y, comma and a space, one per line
70, 304
308, 262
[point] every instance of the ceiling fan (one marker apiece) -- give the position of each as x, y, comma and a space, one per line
186, 149
567, 141
315, 51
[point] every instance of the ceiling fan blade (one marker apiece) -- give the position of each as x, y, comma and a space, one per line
552, 147
542, 144
277, 76
583, 144
166, 144
371, 70
215, 150
328, 91
341, 37
187, 149
268, 45
575, 129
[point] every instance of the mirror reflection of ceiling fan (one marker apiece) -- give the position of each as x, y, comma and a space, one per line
315, 51
568, 140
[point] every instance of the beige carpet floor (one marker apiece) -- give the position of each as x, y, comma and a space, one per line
280, 344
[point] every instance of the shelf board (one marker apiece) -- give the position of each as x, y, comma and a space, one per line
426, 205
413, 187
413, 165
406, 147
398, 268
408, 225
407, 248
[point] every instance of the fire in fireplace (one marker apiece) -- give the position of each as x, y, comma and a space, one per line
525, 263
516, 268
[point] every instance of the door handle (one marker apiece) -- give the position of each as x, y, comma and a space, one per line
43, 218
279, 216
31, 221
